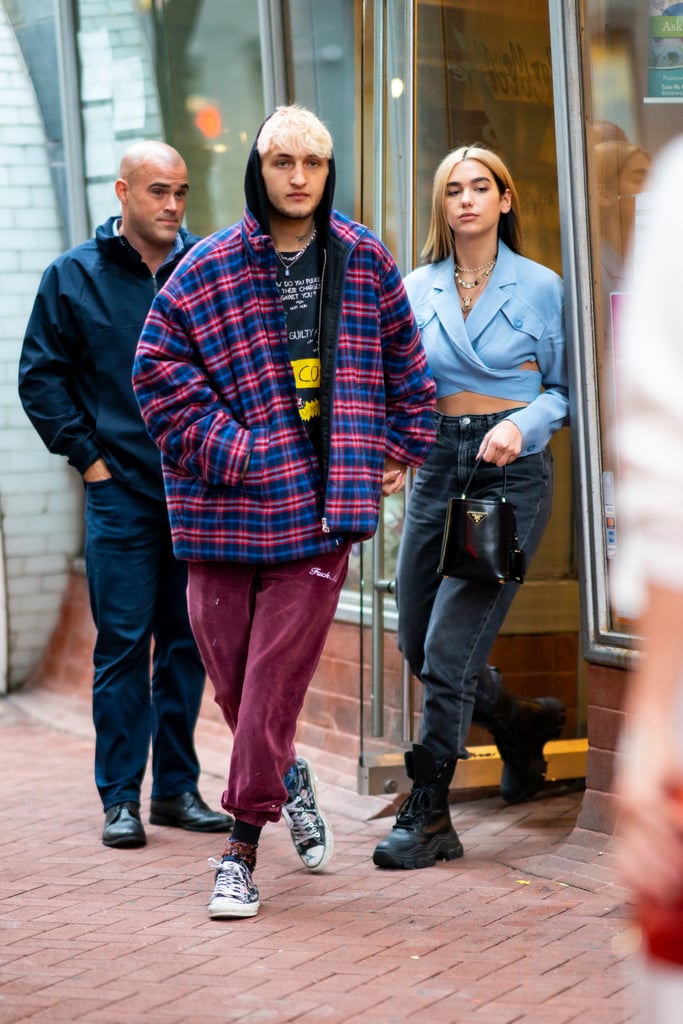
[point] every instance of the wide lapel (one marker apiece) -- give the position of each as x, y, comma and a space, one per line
447, 307
494, 295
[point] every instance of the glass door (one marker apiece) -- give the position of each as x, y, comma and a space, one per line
445, 73
628, 57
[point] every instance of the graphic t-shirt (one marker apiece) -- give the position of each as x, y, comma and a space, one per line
300, 293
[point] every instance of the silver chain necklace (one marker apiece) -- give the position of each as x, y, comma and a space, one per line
487, 268
466, 300
289, 261
473, 270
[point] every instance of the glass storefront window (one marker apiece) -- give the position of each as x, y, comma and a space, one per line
473, 74
632, 62
187, 71
211, 84
119, 99
484, 74
323, 72
454, 72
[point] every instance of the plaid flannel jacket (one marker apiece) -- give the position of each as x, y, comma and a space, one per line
215, 387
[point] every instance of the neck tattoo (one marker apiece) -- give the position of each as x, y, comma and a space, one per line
289, 261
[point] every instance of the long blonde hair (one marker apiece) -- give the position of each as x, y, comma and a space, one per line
440, 243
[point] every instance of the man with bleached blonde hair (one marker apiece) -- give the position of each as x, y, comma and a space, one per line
281, 373
295, 129
75, 385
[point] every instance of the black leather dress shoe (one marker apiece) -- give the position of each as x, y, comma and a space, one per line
189, 811
122, 826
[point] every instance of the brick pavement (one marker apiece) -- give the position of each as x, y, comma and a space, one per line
530, 927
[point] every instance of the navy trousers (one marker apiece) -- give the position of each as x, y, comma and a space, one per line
138, 595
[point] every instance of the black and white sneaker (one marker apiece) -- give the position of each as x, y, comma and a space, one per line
234, 892
311, 833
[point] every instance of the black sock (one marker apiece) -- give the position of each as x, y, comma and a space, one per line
242, 832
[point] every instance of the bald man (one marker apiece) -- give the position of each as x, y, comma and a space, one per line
75, 386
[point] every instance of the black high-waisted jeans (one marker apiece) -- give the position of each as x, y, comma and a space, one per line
447, 626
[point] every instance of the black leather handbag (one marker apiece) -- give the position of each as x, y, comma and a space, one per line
480, 539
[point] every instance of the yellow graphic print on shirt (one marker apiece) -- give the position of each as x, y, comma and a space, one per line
307, 380
300, 294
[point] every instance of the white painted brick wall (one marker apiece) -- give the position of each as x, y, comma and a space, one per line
41, 498
119, 99
38, 542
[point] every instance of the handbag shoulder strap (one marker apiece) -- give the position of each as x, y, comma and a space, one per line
471, 478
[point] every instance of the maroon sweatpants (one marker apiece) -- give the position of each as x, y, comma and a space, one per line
261, 631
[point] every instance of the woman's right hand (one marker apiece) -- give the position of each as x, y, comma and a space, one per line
502, 444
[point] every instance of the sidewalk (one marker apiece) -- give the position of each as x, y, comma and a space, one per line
530, 927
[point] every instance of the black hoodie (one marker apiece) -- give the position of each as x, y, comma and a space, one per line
257, 200
332, 257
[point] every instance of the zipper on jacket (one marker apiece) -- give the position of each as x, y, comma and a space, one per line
327, 427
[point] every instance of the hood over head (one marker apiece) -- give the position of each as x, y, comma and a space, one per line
257, 199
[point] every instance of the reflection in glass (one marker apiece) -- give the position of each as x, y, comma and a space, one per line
628, 120
485, 76
620, 171
210, 79
322, 72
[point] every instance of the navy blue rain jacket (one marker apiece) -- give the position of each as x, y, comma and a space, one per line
77, 357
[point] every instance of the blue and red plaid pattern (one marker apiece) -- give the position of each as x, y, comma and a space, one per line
215, 387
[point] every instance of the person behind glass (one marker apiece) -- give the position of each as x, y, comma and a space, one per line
492, 326
282, 374
75, 386
620, 170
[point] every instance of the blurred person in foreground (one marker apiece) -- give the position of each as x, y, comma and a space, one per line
281, 373
75, 386
648, 581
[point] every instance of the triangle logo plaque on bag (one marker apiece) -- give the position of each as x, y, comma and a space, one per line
477, 517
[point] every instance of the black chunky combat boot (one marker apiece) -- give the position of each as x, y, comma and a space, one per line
521, 727
423, 832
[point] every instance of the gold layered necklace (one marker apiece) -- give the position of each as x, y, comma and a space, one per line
484, 271
289, 261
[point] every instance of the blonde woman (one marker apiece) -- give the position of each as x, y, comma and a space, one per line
492, 327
